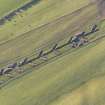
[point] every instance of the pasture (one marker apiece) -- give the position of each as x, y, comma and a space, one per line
76, 77
61, 79
39, 14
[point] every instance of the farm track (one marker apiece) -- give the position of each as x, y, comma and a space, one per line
50, 60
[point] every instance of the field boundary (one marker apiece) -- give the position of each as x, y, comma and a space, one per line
66, 52
13, 13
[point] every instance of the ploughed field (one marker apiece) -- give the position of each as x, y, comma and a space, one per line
73, 76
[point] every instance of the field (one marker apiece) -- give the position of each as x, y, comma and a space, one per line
41, 13
75, 77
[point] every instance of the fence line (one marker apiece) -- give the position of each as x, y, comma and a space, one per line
66, 52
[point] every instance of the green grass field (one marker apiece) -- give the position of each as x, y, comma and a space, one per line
74, 78
47, 85
41, 13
